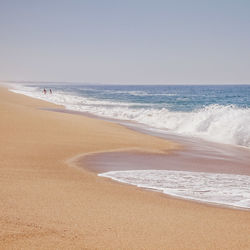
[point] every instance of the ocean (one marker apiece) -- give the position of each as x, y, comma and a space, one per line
215, 113
218, 113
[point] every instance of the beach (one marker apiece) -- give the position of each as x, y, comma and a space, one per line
49, 203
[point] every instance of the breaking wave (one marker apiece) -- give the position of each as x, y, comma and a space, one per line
227, 124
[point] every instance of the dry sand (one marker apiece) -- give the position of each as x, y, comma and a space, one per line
47, 204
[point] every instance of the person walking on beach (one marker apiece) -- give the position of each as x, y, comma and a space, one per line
44, 91
50, 91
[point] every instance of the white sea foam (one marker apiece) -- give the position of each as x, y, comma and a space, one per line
225, 124
131, 92
224, 189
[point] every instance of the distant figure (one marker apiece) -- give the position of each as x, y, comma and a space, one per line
50, 91
44, 91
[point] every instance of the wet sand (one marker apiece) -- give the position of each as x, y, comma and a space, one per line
195, 155
48, 204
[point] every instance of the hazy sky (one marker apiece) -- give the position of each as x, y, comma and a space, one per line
125, 41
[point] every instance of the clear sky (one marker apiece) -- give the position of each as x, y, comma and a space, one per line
125, 41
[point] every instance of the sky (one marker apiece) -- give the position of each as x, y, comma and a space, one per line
125, 42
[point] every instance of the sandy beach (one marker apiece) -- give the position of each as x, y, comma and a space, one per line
47, 203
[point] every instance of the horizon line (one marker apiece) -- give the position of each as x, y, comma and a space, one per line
108, 83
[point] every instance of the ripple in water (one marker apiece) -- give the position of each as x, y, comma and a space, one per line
223, 189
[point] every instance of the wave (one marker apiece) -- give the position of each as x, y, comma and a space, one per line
224, 189
227, 124
127, 92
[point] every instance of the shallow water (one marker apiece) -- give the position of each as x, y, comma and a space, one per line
223, 189
202, 171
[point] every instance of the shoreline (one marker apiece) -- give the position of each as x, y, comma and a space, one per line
102, 163
46, 204
224, 155
205, 119
180, 159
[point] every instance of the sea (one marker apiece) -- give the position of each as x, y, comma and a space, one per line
213, 113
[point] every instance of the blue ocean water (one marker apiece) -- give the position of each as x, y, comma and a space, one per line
218, 113
175, 98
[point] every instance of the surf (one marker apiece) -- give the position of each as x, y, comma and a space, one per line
227, 123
